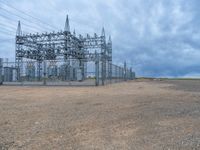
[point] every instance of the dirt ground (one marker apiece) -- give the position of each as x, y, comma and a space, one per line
137, 115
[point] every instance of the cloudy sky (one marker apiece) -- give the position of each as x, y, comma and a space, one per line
158, 38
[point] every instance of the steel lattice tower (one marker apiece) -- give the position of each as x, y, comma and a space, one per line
66, 46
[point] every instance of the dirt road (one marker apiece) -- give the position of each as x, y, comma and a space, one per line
139, 115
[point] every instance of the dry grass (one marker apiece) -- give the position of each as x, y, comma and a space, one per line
137, 115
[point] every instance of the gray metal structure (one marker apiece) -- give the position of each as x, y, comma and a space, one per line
63, 55
1, 71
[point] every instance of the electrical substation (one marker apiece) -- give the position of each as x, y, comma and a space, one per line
62, 58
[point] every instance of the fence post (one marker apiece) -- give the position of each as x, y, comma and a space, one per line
131, 74
1, 69
121, 74
118, 73
38, 70
115, 72
45, 73
96, 69
125, 72
19, 68
103, 70
110, 71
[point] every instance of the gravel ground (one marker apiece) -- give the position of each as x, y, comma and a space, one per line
138, 115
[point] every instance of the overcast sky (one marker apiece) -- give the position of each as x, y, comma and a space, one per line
159, 38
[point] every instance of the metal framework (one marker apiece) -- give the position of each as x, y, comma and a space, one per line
1, 66
66, 46
55, 57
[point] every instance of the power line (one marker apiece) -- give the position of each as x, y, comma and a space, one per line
7, 33
38, 20
15, 20
6, 40
22, 18
5, 29
6, 26
9, 19
29, 15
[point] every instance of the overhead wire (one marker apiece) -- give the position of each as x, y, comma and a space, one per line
7, 32
36, 27
15, 21
25, 13
7, 40
7, 25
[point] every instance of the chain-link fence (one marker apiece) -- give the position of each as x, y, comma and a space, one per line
55, 72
